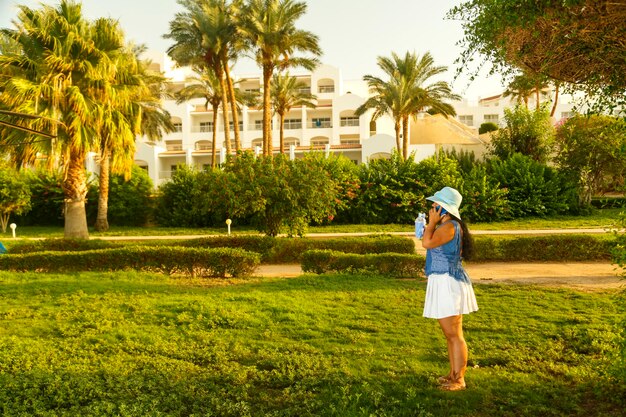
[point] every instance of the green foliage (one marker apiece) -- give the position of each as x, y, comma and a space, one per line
393, 264
534, 189
61, 245
14, 195
487, 127
529, 132
281, 194
483, 199
466, 159
130, 202
168, 259
552, 248
46, 199
440, 172
392, 191
592, 149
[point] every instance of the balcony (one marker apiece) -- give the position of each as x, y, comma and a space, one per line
319, 124
326, 89
202, 129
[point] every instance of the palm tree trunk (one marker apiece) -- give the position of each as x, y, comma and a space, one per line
282, 133
267, 115
75, 190
556, 99
224, 89
233, 106
396, 127
214, 143
405, 137
102, 222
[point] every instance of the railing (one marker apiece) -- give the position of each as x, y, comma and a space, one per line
232, 127
319, 125
349, 121
202, 129
174, 147
203, 147
293, 125
306, 90
326, 89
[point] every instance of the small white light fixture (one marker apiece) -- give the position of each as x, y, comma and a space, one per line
13, 226
228, 223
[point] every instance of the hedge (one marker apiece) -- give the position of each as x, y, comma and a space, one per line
553, 248
290, 250
393, 264
217, 262
61, 245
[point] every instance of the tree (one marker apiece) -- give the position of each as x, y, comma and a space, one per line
592, 149
208, 87
60, 56
287, 92
580, 42
404, 93
529, 132
269, 29
203, 37
14, 195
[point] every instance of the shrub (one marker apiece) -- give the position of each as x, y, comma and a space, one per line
130, 202
46, 199
487, 127
554, 248
61, 245
534, 189
392, 264
483, 199
14, 195
188, 261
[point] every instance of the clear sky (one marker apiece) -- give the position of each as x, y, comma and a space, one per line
353, 33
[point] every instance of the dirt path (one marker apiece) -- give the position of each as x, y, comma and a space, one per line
586, 276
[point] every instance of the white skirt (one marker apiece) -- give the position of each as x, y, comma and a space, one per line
446, 296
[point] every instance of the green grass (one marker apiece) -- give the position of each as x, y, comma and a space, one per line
604, 218
133, 344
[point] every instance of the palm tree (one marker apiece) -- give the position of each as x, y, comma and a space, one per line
269, 29
287, 93
385, 98
59, 57
130, 105
208, 87
204, 37
520, 89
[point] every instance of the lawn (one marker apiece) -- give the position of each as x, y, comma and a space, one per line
134, 344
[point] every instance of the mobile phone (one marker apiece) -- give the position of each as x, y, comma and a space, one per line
443, 211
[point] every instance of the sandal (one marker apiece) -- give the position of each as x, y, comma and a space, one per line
453, 386
444, 379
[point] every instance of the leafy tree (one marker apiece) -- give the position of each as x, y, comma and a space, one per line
281, 194
592, 149
14, 195
529, 132
483, 199
579, 42
287, 92
269, 30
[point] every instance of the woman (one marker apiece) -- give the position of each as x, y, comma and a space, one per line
449, 293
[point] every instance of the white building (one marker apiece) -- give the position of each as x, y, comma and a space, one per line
330, 127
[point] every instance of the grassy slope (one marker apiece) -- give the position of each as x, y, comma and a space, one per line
139, 344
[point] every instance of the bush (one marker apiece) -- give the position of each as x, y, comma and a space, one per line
534, 189
46, 199
392, 264
487, 127
188, 261
61, 245
483, 199
179, 200
553, 248
130, 202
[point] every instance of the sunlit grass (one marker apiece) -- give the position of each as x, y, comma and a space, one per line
140, 344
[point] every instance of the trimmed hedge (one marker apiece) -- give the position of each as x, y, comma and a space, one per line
61, 245
393, 264
290, 250
217, 262
552, 248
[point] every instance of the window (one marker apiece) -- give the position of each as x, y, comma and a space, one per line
493, 118
174, 145
319, 141
206, 126
178, 127
293, 123
326, 89
467, 119
350, 121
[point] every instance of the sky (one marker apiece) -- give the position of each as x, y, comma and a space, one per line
352, 33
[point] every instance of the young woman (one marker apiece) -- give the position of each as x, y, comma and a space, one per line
449, 292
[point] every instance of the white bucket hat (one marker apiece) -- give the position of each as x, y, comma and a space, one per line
448, 198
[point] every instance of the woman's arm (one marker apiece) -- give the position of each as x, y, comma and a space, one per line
434, 237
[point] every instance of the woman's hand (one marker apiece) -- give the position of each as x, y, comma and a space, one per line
434, 215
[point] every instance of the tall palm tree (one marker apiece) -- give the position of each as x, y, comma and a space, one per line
208, 87
520, 89
385, 98
59, 56
269, 29
205, 37
287, 93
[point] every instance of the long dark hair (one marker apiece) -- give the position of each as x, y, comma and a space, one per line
467, 247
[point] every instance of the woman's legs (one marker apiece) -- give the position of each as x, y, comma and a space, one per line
457, 348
